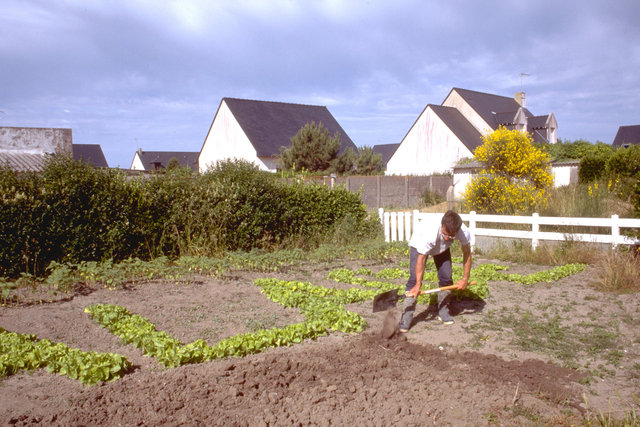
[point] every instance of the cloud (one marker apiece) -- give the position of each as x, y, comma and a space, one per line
155, 72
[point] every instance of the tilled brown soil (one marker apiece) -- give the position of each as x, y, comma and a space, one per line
429, 376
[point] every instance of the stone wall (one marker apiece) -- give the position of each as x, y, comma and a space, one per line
35, 140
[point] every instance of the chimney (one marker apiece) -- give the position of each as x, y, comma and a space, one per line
521, 98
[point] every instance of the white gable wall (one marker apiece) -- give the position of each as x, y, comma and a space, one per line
429, 147
136, 164
226, 141
456, 101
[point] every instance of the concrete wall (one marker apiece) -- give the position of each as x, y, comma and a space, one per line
36, 140
395, 191
388, 191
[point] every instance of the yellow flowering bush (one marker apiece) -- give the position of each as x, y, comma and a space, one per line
516, 177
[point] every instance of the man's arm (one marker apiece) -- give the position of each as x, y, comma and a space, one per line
466, 267
419, 271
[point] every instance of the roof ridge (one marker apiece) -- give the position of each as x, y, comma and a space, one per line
483, 93
272, 102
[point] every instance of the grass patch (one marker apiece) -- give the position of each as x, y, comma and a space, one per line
618, 272
628, 417
571, 345
566, 252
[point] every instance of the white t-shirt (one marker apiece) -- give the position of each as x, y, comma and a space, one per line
428, 240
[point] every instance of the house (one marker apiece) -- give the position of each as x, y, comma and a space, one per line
386, 151
626, 136
156, 160
256, 130
89, 153
25, 149
444, 134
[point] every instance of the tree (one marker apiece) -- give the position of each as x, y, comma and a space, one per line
312, 148
515, 177
173, 164
368, 162
344, 163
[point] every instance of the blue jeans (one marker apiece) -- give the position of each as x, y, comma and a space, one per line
443, 266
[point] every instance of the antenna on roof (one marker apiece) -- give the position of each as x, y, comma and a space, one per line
521, 76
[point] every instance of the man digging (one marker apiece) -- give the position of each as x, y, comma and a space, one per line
435, 239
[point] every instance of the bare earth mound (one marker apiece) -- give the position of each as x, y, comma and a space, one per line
469, 373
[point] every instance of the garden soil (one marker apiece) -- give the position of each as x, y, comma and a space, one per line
474, 372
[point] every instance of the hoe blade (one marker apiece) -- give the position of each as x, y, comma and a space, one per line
386, 300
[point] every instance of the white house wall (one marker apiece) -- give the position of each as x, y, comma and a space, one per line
456, 101
430, 147
136, 164
226, 141
460, 181
564, 175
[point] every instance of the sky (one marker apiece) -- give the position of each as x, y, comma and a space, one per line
151, 74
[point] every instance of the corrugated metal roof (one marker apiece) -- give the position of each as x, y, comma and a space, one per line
23, 162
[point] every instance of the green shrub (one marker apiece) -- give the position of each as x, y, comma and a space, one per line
21, 209
74, 213
430, 198
624, 162
91, 214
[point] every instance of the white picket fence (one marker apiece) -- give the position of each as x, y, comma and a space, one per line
398, 227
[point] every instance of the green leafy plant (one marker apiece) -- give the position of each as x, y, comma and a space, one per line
25, 351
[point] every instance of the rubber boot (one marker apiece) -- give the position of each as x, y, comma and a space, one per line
444, 298
407, 315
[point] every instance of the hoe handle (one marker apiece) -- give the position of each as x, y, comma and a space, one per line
444, 288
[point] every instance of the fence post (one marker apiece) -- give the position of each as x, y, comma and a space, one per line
394, 226
400, 226
407, 225
385, 224
381, 215
472, 227
615, 230
535, 229
406, 191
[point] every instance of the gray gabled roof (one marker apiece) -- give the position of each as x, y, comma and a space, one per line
386, 151
153, 160
490, 107
271, 125
627, 135
90, 153
537, 122
459, 125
